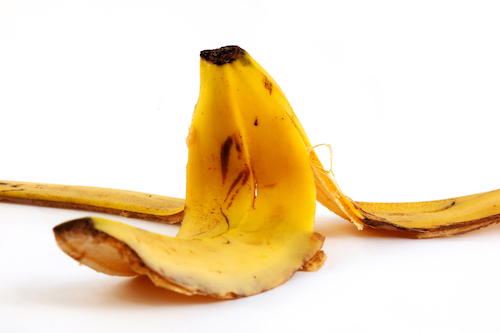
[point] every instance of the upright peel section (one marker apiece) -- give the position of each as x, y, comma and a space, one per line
250, 202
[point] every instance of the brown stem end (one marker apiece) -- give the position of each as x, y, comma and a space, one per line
223, 55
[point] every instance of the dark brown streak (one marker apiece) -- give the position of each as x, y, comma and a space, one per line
225, 151
18, 190
232, 199
227, 220
456, 228
237, 145
240, 175
247, 175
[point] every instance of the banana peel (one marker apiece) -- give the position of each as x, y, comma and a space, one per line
248, 221
149, 207
439, 218
249, 186
429, 219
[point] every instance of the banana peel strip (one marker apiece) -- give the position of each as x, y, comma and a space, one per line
149, 207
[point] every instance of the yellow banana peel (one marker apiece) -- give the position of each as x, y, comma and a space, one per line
252, 180
250, 203
150, 207
448, 217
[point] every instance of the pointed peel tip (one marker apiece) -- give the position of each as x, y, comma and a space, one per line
223, 55
93, 248
81, 241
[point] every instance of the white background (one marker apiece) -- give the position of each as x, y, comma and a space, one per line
407, 93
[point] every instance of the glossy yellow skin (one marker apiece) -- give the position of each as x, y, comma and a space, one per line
127, 203
249, 217
234, 264
436, 218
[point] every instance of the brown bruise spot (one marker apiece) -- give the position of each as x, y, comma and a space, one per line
224, 156
247, 175
268, 85
450, 205
238, 144
256, 123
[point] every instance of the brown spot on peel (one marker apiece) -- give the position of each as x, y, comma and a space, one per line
225, 150
247, 175
450, 205
237, 146
268, 85
240, 175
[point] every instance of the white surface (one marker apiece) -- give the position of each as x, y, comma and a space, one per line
407, 93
